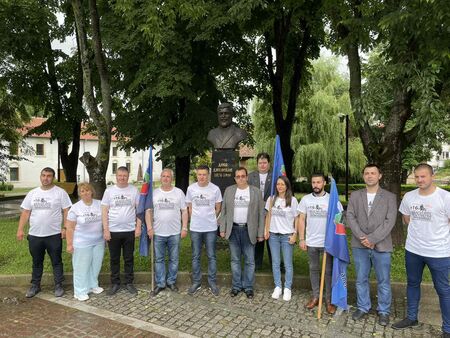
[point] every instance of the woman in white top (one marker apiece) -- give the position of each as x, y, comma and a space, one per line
282, 235
85, 242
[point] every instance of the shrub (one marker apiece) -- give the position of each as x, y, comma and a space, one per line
6, 186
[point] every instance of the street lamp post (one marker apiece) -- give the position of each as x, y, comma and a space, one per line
345, 118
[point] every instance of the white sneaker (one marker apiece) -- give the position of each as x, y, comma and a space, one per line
287, 295
276, 293
96, 290
81, 298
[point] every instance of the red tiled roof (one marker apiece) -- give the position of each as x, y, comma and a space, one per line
246, 151
37, 121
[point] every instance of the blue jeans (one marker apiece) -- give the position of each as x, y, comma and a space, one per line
172, 243
381, 261
86, 263
240, 245
279, 244
439, 268
197, 240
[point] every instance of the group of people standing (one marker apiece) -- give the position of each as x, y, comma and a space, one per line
247, 217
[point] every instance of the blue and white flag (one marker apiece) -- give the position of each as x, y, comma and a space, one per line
145, 202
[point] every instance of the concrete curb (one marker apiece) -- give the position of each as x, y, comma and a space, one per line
262, 281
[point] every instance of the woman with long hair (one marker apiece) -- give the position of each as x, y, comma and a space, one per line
281, 232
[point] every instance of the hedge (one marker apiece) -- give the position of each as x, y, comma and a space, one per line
6, 187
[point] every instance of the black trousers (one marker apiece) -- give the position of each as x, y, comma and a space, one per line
259, 254
53, 246
121, 241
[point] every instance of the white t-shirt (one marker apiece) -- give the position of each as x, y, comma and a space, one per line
315, 208
46, 210
241, 203
370, 198
203, 199
122, 203
88, 227
262, 182
282, 220
167, 206
429, 226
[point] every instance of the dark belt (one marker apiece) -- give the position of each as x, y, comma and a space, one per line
242, 225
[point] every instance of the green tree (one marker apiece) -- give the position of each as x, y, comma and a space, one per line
402, 101
40, 77
318, 136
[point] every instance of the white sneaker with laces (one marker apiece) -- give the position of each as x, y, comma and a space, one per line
276, 293
82, 298
96, 290
287, 295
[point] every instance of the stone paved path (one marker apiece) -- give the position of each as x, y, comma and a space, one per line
205, 315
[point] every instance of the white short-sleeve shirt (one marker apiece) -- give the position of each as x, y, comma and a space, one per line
122, 203
203, 199
88, 227
46, 210
167, 207
429, 226
315, 208
241, 203
282, 220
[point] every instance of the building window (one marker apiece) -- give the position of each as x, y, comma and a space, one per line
128, 152
114, 150
40, 149
13, 174
128, 165
114, 167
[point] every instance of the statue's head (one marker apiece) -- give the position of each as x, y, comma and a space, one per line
225, 114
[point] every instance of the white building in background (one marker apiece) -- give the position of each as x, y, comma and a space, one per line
439, 158
25, 173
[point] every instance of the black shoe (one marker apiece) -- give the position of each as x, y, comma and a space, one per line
131, 289
155, 291
214, 290
358, 314
114, 289
33, 291
234, 292
249, 294
383, 320
172, 287
59, 291
404, 323
194, 288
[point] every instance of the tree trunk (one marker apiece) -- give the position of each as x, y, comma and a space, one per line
96, 167
182, 167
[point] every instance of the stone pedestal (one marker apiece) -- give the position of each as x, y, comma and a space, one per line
224, 163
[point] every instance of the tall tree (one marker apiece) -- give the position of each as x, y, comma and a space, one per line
40, 77
414, 65
98, 165
286, 35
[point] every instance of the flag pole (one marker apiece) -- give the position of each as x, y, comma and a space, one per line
152, 265
322, 280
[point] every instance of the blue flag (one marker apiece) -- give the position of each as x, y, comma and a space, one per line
278, 165
336, 246
145, 202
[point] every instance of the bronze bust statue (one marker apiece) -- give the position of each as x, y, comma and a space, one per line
227, 135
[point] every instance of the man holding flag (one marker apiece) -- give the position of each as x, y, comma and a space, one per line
371, 215
336, 246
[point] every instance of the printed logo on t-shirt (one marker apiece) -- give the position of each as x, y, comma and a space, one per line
317, 210
241, 202
165, 203
278, 211
90, 217
421, 212
200, 200
42, 203
121, 201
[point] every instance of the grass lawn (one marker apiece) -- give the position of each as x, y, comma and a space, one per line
15, 257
